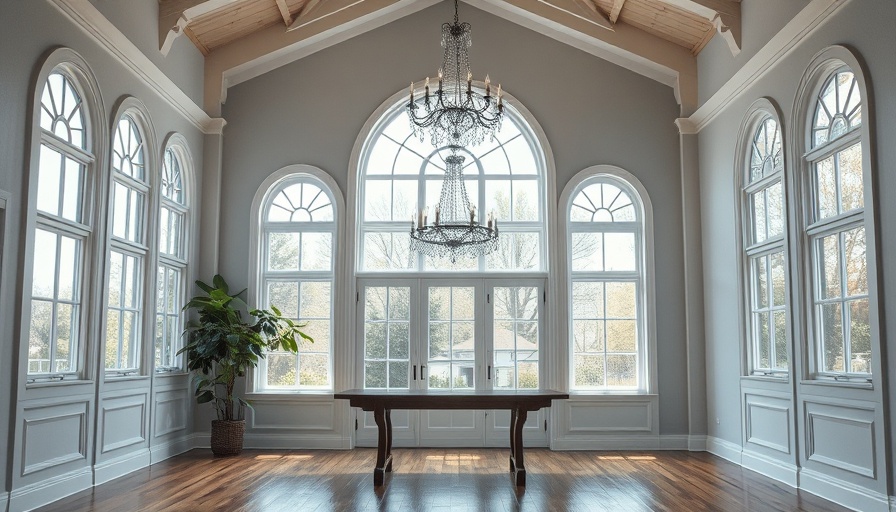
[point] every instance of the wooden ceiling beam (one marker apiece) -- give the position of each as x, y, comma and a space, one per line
284, 11
175, 16
615, 10
582, 9
305, 13
723, 14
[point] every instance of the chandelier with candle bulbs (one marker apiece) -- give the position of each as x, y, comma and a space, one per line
456, 114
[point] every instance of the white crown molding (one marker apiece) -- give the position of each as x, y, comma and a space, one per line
101, 30
782, 44
686, 126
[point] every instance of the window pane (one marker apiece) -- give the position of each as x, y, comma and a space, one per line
316, 299
285, 297
781, 355
856, 262
317, 251
859, 337
66, 337
763, 339
760, 231
832, 337
388, 251
851, 183
516, 251
516, 337
775, 203
622, 370
587, 251
43, 283
825, 189
314, 370
281, 370
620, 251
39, 336
283, 251
829, 256
49, 178
621, 300
589, 371
587, 300
779, 291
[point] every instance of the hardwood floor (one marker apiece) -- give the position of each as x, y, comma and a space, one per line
443, 480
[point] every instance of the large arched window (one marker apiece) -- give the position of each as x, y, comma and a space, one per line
837, 188
171, 274
426, 322
608, 285
128, 246
298, 240
762, 200
401, 174
56, 285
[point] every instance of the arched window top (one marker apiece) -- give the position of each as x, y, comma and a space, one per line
600, 200
172, 177
128, 148
838, 108
62, 110
300, 200
766, 157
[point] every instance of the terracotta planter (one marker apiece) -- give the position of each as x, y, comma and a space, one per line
227, 437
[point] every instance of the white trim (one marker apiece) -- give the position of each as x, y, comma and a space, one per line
49, 490
892, 503
724, 449
772, 468
623, 442
120, 466
806, 22
4, 500
160, 452
843, 492
697, 443
83, 14
299, 441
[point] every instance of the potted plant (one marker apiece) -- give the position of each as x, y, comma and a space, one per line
222, 345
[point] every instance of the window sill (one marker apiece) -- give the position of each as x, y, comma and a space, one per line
610, 395
830, 382
172, 373
114, 377
778, 377
53, 383
289, 395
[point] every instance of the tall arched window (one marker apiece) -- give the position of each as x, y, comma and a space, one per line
607, 284
128, 253
61, 241
762, 201
174, 210
298, 239
838, 189
428, 322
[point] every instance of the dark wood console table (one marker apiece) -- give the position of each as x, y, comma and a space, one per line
382, 402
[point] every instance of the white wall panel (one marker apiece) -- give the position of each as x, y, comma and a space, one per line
54, 435
308, 416
123, 422
618, 416
841, 437
170, 412
768, 423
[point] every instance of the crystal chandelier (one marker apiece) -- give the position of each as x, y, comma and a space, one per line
455, 114
455, 231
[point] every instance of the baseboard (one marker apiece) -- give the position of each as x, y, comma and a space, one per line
283, 441
724, 449
892, 503
844, 493
171, 448
773, 468
609, 442
697, 443
4, 500
120, 466
50, 490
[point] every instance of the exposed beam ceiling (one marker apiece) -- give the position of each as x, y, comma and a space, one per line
244, 38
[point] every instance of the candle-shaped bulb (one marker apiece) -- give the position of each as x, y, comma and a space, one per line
469, 76
411, 91
488, 87
426, 83
437, 215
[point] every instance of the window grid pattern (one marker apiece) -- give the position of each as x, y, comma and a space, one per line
298, 237
451, 337
605, 248
172, 267
836, 232
402, 174
764, 249
387, 323
129, 252
62, 233
515, 342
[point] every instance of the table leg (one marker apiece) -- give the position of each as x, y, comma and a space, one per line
512, 438
518, 447
388, 440
383, 446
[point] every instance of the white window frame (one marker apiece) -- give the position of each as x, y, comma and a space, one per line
761, 111
143, 249
643, 276
825, 64
177, 145
258, 277
88, 231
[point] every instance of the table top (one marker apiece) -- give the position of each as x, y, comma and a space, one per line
531, 400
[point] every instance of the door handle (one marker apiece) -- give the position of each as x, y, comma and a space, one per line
489, 372
422, 366
415, 372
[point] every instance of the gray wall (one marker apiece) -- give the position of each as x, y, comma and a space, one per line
21, 48
593, 112
138, 20
761, 20
866, 27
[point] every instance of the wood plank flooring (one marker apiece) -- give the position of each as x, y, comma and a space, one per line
443, 480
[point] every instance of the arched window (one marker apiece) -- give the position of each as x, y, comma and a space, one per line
62, 238
174, 210
762, 201
607, 283
128, 253
427, 322
401, 174
837, 191
297, 261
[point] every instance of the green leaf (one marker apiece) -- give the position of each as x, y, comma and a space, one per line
205, 397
